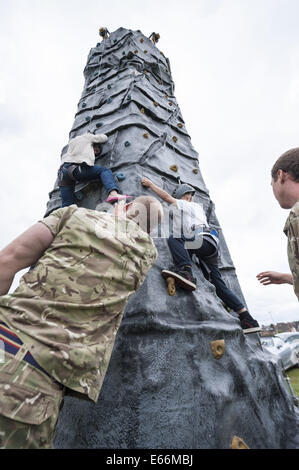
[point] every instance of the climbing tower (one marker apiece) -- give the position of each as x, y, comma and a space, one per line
182, 373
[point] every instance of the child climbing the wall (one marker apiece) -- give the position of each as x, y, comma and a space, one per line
190, 235
78, 166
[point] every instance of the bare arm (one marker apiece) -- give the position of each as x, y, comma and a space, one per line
272, 277
160, 192
22, 253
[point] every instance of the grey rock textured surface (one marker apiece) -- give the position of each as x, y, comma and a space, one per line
164, 388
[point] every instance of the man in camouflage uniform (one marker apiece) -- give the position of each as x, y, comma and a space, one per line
58, 327
285, 185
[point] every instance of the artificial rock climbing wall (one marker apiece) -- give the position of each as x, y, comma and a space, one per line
182, 374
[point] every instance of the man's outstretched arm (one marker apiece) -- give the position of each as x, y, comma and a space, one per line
23, 252
272, 277
160, 192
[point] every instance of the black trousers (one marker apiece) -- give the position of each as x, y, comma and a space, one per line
182, 257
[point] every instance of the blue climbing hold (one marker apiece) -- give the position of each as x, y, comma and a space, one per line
109, 100
99, 124
129, 97
120, 176
127, 144
109, 86
83, 105
88, 118
79, 195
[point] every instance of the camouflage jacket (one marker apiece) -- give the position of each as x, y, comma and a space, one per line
291, 229
69, 307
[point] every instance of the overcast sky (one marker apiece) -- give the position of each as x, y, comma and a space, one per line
235, 65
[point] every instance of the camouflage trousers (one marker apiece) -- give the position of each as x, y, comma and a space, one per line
29, 404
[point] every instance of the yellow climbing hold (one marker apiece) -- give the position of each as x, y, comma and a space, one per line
195, 170
142, 110
145, 135
238, 443
173, 168
170, 103
226, 307
160, 82
171, 286
156, 104
145, 51
218, 348
166, 95
141, 40
135, 52
175, 139
180, 125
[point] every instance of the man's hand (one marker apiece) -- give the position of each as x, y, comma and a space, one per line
272, 277
146, 182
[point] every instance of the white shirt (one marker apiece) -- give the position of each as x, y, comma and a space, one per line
80, 149
189, 214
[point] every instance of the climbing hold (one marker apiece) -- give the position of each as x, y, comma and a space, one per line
99, 124
218, 348
120, 176
128, 97
171, 286
145, 71
155, 103
195, 170
83, 105
170, 103
141, 40
145, 51
145, 135
114, 40
109, 86
127, 144
180, 125
109, 100
88, 118
224, 305
238, 443
79, 195
175, 139
166, 95
142, 110
173, 168
160, 82
124, 53
103, 32
135, 52
155, 37
95, 74
130, 55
